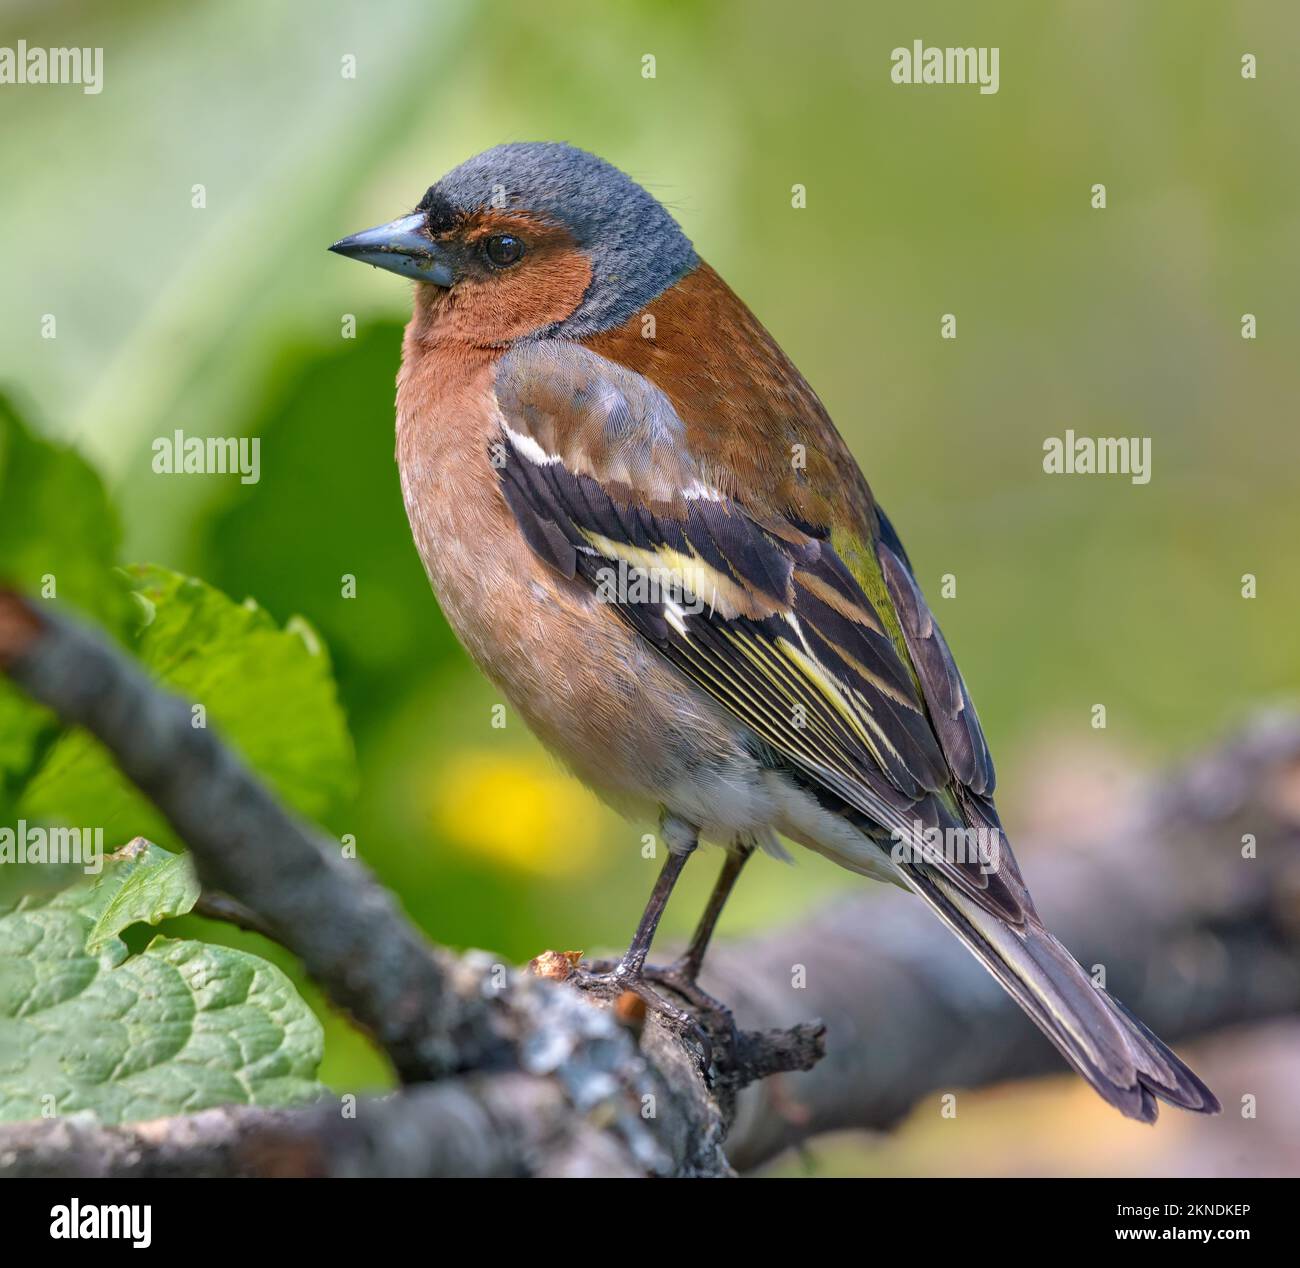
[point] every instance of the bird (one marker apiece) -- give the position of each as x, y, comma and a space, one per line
644, 528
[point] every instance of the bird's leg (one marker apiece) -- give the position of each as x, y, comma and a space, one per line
632, 965
683, 973
692, 960
629, 973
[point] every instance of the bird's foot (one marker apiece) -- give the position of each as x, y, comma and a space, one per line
612, 980
680, 977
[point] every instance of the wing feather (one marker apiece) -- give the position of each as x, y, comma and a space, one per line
853, 687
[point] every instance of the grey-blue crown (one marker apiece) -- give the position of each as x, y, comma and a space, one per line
636, 249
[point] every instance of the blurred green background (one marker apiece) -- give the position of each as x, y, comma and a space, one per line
229, 319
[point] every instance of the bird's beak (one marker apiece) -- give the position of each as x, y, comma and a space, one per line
401, 246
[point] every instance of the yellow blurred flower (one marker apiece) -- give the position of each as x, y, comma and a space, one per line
518, 809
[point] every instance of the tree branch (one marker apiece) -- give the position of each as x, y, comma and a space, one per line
536, 1080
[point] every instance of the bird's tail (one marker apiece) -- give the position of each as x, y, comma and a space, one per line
1095, 1033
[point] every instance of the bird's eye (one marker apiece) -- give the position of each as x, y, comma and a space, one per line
503, 250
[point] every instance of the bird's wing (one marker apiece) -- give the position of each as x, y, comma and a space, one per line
830, 656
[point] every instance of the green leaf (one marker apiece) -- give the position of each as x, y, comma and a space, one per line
58, 540
183, 1026
268, 691
166, 886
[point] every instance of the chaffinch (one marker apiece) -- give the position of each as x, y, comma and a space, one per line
641, 522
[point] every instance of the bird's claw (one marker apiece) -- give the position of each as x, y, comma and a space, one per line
611, 979
679, 977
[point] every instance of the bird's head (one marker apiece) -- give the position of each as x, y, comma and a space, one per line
530, 239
